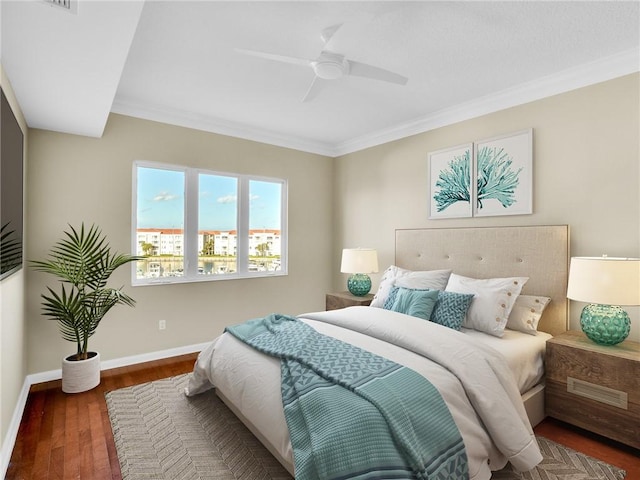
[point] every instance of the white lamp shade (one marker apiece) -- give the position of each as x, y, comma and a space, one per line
605, 280
359, 260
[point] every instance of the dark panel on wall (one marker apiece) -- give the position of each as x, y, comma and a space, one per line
11, 195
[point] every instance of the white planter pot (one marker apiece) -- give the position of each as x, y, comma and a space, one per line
80, 375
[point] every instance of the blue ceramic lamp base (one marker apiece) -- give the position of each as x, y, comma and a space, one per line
605, 324
359, 284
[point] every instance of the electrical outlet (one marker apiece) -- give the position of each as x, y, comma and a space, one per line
162, 324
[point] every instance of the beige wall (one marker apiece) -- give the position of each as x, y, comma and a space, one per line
13, 358
586, 174
74, 179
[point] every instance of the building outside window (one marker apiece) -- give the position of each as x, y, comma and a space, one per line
197, 225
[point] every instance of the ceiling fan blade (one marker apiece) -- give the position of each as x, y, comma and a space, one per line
316, 85
273, 56
369, 71
329, 32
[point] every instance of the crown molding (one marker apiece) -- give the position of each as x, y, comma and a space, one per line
219, 126
615, 66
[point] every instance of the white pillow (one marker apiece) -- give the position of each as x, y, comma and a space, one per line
401, 277
526, 313
432, 280
386, 284
492, 302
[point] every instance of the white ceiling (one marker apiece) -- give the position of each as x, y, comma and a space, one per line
175, 62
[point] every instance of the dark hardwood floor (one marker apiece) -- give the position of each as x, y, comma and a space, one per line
69, 436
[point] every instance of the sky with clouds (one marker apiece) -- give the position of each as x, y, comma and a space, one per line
161, 201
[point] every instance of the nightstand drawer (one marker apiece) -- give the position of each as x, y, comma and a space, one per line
598, 417
594, 387
595, 366
334, 301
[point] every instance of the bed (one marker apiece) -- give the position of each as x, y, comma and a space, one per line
494, 415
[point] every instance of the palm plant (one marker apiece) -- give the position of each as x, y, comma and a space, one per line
10, 249
83, 262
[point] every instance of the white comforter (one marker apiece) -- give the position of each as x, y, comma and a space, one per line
473, 379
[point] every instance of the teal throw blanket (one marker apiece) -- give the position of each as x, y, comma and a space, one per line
355, 415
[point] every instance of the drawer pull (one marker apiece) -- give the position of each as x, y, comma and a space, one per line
598, 393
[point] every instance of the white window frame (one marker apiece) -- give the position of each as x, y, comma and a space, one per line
191, 226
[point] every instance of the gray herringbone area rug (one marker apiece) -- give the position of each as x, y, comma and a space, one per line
160, 434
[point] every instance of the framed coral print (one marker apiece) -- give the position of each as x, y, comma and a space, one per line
450, 176
503, 175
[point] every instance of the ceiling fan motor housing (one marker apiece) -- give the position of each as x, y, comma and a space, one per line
330, 66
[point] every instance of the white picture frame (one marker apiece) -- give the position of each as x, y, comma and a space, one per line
450, 181
503, 175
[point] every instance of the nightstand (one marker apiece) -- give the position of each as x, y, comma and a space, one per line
333, 301
595, 387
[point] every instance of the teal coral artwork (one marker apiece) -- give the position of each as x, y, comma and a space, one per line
503, 175
484, 178
496, 178
450, 173
453, 182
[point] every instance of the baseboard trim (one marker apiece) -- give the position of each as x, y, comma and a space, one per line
35, 378
14, 426
50, 375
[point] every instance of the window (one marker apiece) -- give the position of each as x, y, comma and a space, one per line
197, 225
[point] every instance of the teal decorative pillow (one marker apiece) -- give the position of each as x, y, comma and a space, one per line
388, 303
417, 303
401, 277
493, 301
451, 308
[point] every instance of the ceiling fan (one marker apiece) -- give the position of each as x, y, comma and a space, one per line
331, 65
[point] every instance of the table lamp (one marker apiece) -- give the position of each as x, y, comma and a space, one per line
359, 262
605, 283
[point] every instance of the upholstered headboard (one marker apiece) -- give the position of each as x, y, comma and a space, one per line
538, 252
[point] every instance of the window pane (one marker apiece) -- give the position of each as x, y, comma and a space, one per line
198, 225
217, 224
160, 222
265, 212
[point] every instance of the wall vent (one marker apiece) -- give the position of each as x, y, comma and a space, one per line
70, 6
598, 393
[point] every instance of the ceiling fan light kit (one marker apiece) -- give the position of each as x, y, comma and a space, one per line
330, 66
